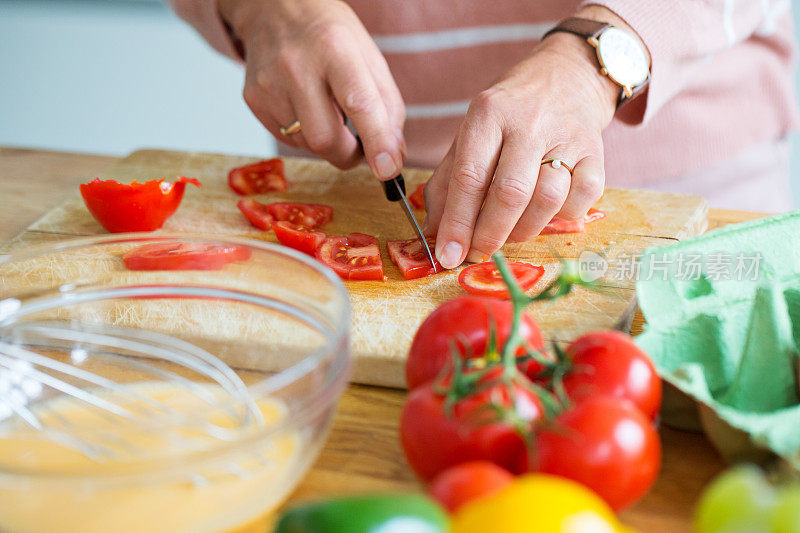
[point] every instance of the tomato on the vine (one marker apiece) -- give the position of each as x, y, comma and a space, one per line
467, 482
465, 323
610, 363
486, 424
604, 443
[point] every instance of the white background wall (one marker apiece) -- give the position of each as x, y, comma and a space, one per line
111, 76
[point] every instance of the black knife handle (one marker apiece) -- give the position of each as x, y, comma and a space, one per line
390, 188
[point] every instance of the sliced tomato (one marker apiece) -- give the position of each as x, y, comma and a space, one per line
301, 238
184, 256
561, 225
483, 279
355, 257
256, 213
121, 207
411, 259
258, 178
417, 198
308, 215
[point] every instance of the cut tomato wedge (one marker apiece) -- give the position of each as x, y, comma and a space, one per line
257, 178
184, 256
417, 198
411, 259
308, 215
355, 257
121, 207
299, 237
256, 213
484, 279
561, 225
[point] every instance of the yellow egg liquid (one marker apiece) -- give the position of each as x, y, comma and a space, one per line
225, 492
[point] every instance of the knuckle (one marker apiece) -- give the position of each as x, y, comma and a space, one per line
549, 199
487, 243
469, 179
265, 83
358, 100
513, 193
457, 226
330, 36
590, 187
288, 63
322, 141
484, 101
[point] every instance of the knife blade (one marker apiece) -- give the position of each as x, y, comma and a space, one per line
395, 191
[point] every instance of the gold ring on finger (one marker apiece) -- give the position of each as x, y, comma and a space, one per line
291, 129
557, 163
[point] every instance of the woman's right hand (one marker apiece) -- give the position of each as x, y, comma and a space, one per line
311, 61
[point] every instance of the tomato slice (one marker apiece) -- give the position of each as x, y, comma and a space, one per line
121, 207
411, 259
355, 257
299, 237
308, 215
417, 198
561, 225
258, 178
484, 279
256, 213
183, 256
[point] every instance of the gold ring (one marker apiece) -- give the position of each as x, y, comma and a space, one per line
291, 129
557, 163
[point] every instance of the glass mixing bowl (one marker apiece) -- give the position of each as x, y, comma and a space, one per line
193, 397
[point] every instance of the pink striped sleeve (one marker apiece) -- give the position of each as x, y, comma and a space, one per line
683, 36
204, 16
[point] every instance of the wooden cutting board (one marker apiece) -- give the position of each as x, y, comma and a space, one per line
386, 314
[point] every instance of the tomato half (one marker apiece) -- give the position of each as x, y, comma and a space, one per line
411, 259
465, 322
467, 482
417, 198
435, 439
183, 256
484, 279
355, 257
256, 213
121, 207
258, 178
610, 363
308, 215
562, 225
606, 444
300, 238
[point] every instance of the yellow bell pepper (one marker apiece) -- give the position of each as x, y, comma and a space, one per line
540, 503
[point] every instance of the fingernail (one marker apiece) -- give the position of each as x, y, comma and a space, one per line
385, 166
450, 256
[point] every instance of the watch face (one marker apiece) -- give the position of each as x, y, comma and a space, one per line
622, 57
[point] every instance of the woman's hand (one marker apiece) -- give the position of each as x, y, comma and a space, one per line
311, 60
491, 187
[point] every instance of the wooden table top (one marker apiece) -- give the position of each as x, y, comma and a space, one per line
363, 452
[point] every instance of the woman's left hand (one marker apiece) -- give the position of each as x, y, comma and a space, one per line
491, 186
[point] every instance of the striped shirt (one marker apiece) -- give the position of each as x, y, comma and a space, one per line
721, 84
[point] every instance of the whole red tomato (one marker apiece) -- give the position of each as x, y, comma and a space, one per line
466, 482
434, 439
610, 363
605, 443
466, 322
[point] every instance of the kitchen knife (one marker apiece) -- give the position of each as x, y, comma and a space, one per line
395, 191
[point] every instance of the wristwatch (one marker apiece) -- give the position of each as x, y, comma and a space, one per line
622, 58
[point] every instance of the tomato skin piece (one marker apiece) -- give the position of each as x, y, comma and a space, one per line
467, 482
356, 257
256, 213
411, 259
466, 319
433, 441
606, 444
484, 279
562, 225
123, 207
610, 363
256, 178
308, 215
183, 256
300, 238
417, 198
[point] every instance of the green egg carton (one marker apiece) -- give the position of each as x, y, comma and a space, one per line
723, 329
